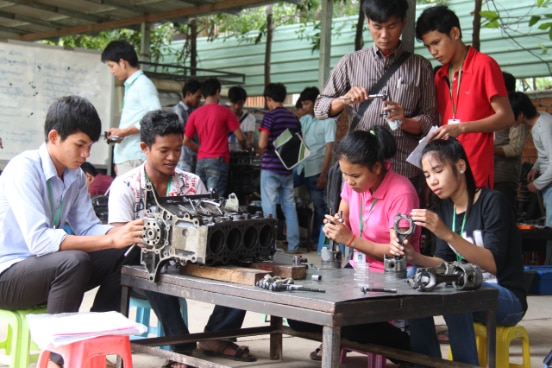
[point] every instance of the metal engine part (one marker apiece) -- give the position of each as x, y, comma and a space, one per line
204, 230
396, 266
289, 259
276, 283
463, 276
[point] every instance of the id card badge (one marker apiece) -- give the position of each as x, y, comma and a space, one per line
454, 121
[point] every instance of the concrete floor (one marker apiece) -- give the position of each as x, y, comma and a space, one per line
537, 321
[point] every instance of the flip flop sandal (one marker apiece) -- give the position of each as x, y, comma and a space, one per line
316, 354
238, 355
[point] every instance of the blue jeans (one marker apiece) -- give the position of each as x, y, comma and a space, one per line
188, 160
213, 172
275, 189
318, 200
547, 200
460, 326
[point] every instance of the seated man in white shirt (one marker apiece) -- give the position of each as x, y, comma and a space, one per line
40, 192
161, 140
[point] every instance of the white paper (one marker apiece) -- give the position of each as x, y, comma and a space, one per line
66, 328
415, 158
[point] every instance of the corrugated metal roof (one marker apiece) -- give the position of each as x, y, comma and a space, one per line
296, 66
31, 20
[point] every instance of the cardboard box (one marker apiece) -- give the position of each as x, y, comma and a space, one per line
542, 283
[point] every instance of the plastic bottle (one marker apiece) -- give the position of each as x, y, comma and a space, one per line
361, 268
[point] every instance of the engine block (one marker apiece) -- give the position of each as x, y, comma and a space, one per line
203, 229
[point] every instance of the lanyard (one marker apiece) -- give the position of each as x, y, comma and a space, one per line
453, 102
167, 191
361, 205
458, 256
55, 220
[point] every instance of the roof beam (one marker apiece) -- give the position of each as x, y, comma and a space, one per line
204, 9
54, 9
122, 5
193, 2
26, 19
11, 30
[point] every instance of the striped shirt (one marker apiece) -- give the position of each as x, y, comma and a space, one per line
411, 86
274, 123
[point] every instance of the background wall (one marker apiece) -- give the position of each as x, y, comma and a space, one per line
32, 77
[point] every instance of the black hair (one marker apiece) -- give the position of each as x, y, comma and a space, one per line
276, 91
309, 94
120, 49
509, 81
437, 18
159, 123
382, 10
236, 94
210, 87
521, 103
298, 104
191, 86
73, 114
87, 167
366, 148
451, 151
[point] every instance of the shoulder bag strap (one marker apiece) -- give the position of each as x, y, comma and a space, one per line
360, 113
243, 117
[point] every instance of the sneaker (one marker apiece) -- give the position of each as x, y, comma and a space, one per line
294, 251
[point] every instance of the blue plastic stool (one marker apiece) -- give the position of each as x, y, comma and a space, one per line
18, 344
325, 242
143, 309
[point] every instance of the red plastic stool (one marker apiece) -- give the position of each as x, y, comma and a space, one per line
374, 360
90, 353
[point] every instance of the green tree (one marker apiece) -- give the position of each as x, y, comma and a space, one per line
501, 19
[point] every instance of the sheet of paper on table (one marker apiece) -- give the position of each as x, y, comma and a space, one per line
66, 328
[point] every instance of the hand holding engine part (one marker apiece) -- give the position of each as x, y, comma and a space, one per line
397, 265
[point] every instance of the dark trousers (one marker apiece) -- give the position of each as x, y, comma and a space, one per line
225, 318
60, 280
167, 309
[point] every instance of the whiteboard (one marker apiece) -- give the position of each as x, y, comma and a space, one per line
32, 76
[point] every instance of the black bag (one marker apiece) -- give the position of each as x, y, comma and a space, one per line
333, 188
291, 149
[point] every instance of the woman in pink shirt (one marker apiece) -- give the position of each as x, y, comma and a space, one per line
373, 192
372, 196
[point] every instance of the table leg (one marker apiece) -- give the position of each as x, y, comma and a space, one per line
491, 339
125, 299
276, 338
331, 346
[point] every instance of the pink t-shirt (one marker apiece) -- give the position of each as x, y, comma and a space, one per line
395, 195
